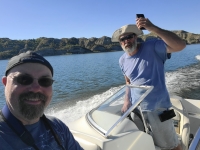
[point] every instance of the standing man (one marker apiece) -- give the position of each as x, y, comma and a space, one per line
28, 91
143, 64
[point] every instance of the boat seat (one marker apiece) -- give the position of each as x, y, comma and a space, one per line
181, 121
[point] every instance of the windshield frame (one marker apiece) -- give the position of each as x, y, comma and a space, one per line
111, 99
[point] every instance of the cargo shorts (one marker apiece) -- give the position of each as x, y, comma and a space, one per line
163, 133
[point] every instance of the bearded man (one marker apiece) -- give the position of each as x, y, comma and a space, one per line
143, 64
28, 91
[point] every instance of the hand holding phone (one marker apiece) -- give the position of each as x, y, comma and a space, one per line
140, 16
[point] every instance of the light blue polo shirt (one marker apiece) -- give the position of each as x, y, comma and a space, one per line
146, 67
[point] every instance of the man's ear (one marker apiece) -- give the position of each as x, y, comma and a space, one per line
4, 80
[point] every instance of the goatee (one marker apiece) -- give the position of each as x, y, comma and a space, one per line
32, 111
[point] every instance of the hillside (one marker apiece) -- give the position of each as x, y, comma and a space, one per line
51, 46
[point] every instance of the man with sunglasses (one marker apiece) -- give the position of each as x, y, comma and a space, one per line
28, 91
143, 64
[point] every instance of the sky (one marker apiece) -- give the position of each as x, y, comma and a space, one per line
32, 19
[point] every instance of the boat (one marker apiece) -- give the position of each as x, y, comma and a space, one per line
106, 128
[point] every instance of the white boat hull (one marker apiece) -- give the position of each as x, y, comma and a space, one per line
127, 136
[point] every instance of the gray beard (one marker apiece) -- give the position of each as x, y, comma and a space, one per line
31, 112
132, 49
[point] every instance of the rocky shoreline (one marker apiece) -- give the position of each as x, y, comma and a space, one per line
52, 46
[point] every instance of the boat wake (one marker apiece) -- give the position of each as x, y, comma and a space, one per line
72, 113
184, 82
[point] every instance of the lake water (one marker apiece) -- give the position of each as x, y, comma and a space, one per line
83, 81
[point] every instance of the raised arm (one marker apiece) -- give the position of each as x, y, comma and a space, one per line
174, 43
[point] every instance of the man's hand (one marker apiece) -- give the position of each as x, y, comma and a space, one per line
126, 105
144, 22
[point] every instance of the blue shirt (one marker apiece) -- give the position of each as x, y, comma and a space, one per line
43, 137
146, 67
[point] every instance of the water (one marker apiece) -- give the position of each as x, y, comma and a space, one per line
83, 81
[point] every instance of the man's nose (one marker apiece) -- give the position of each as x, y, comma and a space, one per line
35, 86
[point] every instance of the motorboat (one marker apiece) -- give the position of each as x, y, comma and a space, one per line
106, 128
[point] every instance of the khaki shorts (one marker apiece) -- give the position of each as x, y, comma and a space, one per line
163, 133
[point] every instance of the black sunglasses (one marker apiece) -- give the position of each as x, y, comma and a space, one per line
27, 80
130, 36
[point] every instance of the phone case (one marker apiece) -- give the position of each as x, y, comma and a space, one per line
139, 16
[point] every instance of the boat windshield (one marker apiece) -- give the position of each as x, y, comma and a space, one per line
105, 117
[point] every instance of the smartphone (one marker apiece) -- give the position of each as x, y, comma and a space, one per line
139, 16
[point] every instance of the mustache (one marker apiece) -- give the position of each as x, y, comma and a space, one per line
32, 95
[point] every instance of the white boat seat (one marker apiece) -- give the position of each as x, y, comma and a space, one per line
181, 121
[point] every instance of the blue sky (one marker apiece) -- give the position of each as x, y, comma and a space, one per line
31, 19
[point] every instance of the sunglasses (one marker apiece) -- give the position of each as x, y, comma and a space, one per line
130, 36
27, 80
